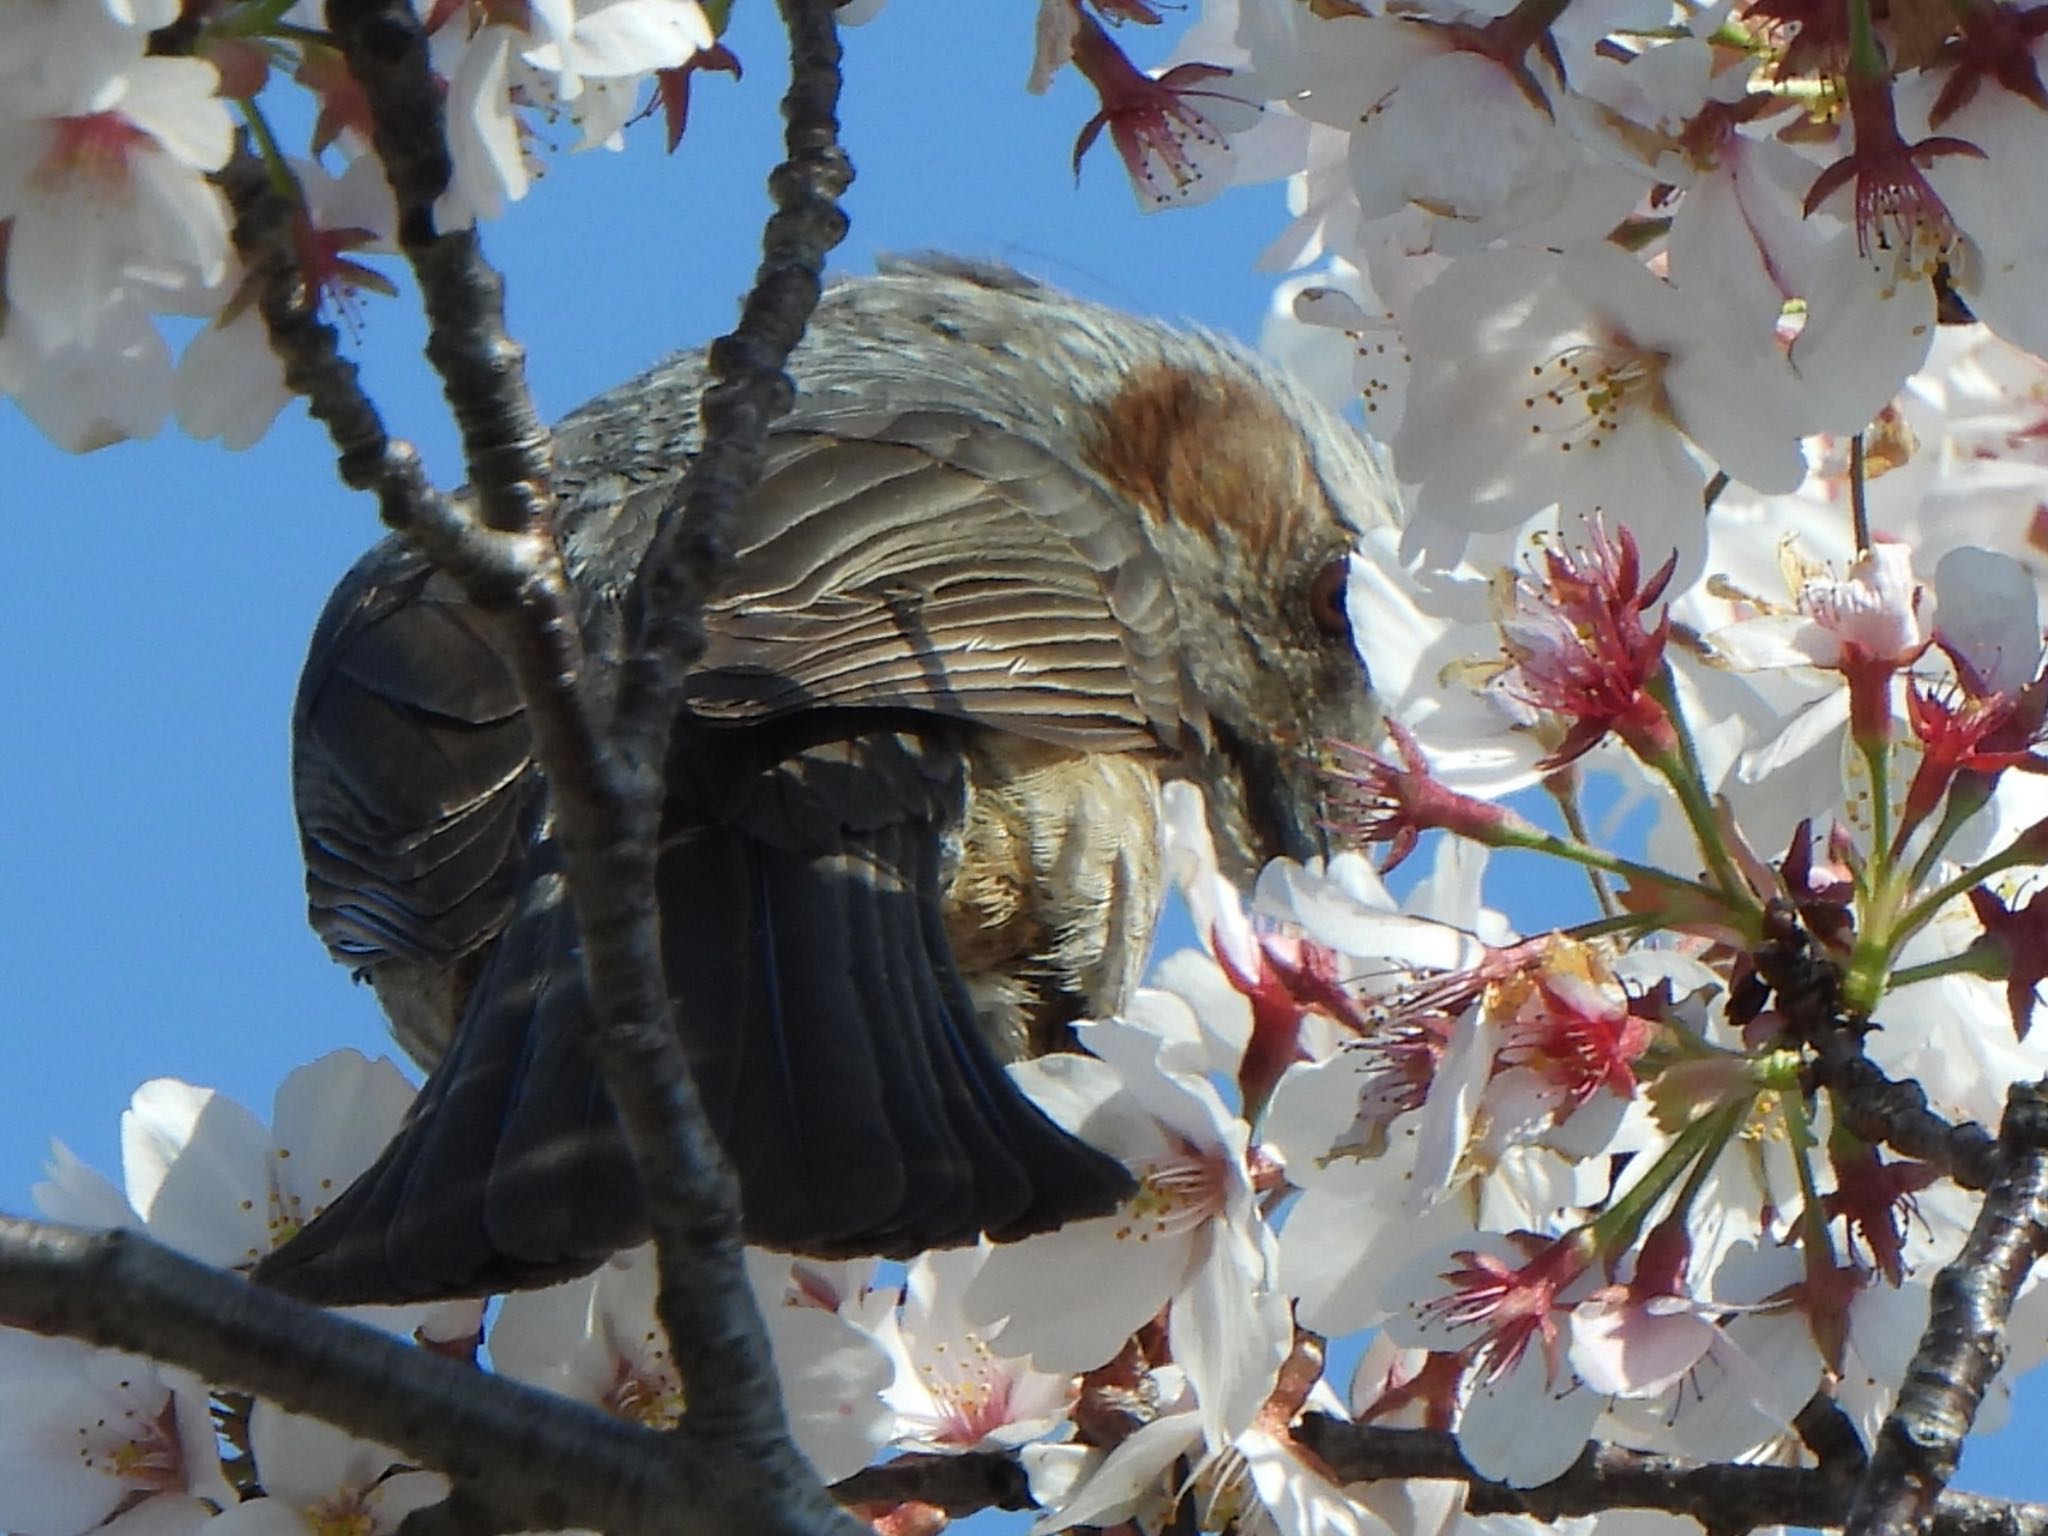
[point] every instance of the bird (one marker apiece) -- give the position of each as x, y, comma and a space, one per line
1015, 561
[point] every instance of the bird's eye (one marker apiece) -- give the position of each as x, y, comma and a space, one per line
1326, 606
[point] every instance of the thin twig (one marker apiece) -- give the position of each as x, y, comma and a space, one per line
369, 460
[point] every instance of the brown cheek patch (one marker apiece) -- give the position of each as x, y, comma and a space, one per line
1209, 453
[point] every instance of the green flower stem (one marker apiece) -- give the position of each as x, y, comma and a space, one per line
1530, 838
1986, 960
1877, 763
275, 165
1627, 923
1871, 965
1563, 789
1683, 773
1866, 58
263, 18
1967, 796
1615, 1228
1813, 1220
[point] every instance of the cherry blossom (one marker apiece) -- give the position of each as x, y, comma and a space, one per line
316, 1478
1172, 132
597, 1340
1867, 625
207, 1177
107, 194
1191, 1242
93, 1439
1613, 280
1580, 380
952, 1391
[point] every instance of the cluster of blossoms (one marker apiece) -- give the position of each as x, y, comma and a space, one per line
1535, 1190
1598, 254
1660, 311
117, 117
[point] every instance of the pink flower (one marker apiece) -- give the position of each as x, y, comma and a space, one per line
1176, 152
1580, 645
1577, 1036
1868, 626
1497, 1309
1896, 210
1373, 801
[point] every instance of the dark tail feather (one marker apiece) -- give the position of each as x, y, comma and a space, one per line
831, 1070
836, 1051
510, 1170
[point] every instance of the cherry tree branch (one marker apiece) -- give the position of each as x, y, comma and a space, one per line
369, 459
605, 800
1725, 1499
1885, 1112
498, 542
535, 1461
1963, 1349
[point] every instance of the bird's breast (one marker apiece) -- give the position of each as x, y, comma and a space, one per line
1054, 887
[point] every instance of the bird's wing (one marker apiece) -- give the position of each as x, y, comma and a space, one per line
931, 560
928, 565
409, 753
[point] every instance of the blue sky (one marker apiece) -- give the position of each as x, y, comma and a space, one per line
156, 608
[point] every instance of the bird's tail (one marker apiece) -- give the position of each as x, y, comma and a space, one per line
833, 1044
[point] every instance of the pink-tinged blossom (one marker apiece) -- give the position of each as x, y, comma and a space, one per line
1497, 1299
1743, 242
1703, 1359
1897, 213
1869, 626
91, 1439
1579, 644
1373, 801
952, 1391
109, 197
1173, 132
1577, 1034
1504, 1304
1640, 1340
1291, 991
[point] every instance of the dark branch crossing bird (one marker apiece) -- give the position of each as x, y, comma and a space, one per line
1015, 561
